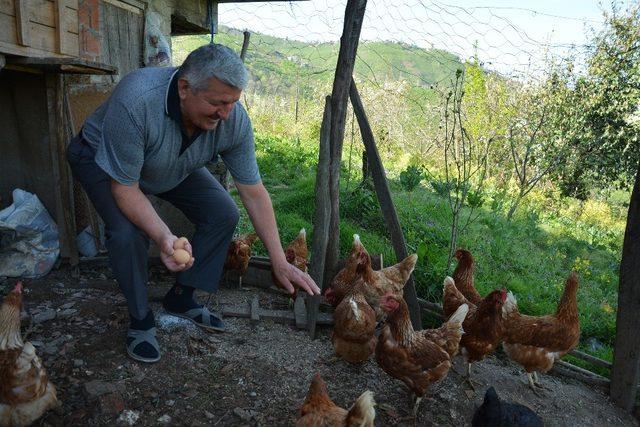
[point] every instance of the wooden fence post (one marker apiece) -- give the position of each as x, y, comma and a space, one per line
321, 220
626, 353
386, 203
353, 17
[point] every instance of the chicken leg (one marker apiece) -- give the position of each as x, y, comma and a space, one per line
468, 378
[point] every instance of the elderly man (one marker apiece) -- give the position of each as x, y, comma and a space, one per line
154, 135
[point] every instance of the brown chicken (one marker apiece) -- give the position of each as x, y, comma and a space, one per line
238, 254
483, 326
345, 279
354, 328
318, 410
463, 276
296, 253
536, 342
25, 391
417, 358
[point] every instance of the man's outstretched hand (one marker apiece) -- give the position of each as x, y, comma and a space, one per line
290, 276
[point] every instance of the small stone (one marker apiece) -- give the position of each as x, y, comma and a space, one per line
67, 305
165, 419
129, 417
97, 388
78, 363
170, 402
253, 394
44, 316
111, 404
64, 314
209, 415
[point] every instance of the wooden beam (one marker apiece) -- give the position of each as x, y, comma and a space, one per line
58, 13
22, 22
255, 310
353, 17
300, 312
386, 202
322, 217
245, 44
3, 61
626, 353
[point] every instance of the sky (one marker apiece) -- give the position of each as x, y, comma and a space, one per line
509, 36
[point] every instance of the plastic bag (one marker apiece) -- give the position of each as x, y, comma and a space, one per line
156, 47
29, 245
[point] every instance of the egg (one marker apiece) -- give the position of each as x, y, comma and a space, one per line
181, 256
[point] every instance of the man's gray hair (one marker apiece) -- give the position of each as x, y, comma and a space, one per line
214, 60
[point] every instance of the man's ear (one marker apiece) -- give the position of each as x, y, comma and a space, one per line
183, 86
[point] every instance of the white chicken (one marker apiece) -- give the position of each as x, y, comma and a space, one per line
25, 391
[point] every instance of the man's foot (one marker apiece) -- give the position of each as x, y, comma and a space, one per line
179, 302
141, 343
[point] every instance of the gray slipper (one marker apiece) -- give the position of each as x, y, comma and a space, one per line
203, 318
136, 348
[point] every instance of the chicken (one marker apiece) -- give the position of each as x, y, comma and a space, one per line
417, 358
238, 254
319, 411
344, 280
296, 253
483, 327
494, 412
536, 342
25, 391
463, 276
354, 327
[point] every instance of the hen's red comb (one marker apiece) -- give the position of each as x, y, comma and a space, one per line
18, 288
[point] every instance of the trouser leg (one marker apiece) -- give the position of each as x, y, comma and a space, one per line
127, 245
215, 215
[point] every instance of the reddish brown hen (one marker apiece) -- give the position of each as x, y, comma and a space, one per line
239, 253
463, 276
354, 325
318, 410
296, 253
345, 279
536, 342
417, 358
484, 325
25, 391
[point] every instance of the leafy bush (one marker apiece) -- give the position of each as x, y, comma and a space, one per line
411, 177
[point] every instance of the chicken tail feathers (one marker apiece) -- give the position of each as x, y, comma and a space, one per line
363, 412
459, 315
510, 305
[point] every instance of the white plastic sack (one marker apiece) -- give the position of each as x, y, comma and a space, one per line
29, 245
156, 47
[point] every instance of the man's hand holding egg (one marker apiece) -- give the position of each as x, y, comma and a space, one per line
176, 254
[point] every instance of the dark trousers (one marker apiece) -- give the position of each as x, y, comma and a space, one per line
200, 197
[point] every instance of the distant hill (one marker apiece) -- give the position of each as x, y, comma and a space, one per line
276, 64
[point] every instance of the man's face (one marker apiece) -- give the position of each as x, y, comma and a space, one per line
205, 108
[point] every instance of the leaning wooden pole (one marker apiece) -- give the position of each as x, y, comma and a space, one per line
353, 17
626, 353
386, 203
321, 220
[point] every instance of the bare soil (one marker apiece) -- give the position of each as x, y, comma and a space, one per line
252, 375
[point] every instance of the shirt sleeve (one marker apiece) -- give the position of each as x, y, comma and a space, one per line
240, 158
121, 153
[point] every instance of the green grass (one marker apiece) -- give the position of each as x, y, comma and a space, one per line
531, 255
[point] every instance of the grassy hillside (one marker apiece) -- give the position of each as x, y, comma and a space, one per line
278, 64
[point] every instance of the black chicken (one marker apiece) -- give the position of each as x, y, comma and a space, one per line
496, 413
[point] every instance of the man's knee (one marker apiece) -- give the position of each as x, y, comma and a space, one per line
125, 235
225, 214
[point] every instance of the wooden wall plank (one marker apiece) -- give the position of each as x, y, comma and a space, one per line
42, 12
41, 38
22, 23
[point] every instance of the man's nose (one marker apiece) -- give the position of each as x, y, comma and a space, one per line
225, 111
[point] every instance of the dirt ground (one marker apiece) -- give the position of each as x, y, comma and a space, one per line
252, 375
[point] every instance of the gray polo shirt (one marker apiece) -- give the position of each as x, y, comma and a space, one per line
137, 140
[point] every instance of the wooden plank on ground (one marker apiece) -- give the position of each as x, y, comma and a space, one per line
255, 310
386, 202
626, 353
300, 312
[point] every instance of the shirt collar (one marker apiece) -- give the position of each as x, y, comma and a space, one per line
172, 100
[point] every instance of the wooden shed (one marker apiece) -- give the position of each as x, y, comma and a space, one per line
59, 59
